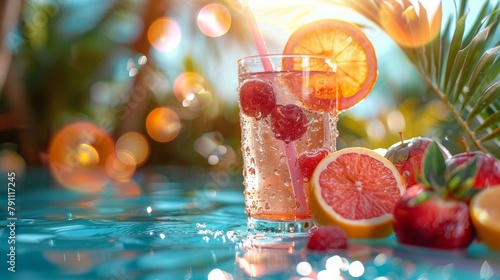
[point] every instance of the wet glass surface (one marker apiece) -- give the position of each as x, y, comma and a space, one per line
190, 224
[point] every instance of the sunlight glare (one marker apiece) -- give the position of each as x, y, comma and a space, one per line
214, 20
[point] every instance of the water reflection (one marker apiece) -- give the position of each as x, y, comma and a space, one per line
172, 229
259, 256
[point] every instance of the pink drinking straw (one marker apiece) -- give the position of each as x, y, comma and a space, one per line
290, 149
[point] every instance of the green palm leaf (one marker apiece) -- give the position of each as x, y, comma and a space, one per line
461, 64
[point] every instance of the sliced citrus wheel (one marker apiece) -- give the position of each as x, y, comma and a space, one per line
317, 91
356, 189
351, 51
485, 215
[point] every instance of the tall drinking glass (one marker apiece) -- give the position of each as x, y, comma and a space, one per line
288, 118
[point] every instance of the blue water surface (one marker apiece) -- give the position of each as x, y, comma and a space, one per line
178, 223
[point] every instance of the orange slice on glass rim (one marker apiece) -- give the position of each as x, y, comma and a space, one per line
352, 54
356, 189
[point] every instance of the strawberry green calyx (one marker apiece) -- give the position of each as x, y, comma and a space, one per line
455, 184
460, 180
420, 198
433, 168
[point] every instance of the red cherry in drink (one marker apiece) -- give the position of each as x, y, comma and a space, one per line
288, 122
257, 98
310, 159
326, 238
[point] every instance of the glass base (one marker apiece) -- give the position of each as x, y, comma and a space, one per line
273, 227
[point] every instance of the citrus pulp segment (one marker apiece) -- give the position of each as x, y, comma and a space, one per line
353, 56
485, 215
355, 189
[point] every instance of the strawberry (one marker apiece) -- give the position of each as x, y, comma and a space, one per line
488, 168
407, 156
433, 222
309, 159
326, 238
430, 214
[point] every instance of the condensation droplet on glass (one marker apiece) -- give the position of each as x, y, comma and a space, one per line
251, 171
287, 183
277, 172
282, 159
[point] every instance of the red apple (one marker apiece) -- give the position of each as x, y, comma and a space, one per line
407, 156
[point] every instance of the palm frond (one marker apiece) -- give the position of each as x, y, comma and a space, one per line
461, 63
457, 55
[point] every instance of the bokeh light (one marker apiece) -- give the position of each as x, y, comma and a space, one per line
121, 165
125, 188
304, 268
163, 124
135, 144
356, 269
86, 155
77, 154
164, 34
396, 121
218, 274
214, 20
11, 161
190, 88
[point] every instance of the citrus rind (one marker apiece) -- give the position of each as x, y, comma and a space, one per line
351, 51
485, 216
372, 227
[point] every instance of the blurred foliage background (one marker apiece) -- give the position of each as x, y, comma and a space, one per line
156, 79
